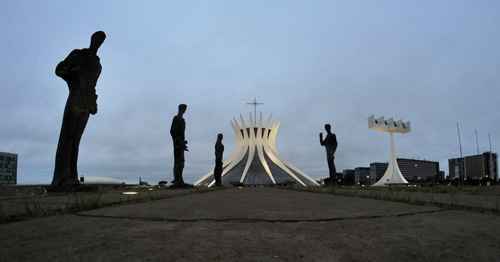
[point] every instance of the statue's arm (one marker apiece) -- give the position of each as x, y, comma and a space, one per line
93, 87
93, 107
182, 131
321, 140
67, 66
172, 129
335, 144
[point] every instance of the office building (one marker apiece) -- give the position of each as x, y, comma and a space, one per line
348, 177
362, 176
377, 170
8, 168
413, 170
474, 167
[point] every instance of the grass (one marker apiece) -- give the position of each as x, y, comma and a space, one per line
442, 196
33, 208
41, 206
86, 202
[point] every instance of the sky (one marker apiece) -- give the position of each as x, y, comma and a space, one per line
431, 62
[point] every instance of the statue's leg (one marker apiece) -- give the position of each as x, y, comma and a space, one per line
178, 164
181, 168
178, 167
81, 123
59, 159
174, 170
331, 169
334, 169
217, 173
62, 162
176, 174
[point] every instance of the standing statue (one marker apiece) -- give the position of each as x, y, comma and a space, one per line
330, 144
80, 70
177, 131
219, 151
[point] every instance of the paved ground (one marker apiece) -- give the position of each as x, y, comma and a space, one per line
256, 224
29, 203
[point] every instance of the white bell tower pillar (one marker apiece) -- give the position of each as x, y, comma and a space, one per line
392, 174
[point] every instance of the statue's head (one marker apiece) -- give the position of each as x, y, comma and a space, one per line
182, 108
220, 136
97, 39
328, 128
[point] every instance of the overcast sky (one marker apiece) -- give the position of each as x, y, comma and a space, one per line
430, 62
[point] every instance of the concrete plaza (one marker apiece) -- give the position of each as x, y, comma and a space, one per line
256, 224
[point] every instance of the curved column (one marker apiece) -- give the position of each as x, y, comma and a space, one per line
274, 134
300, 172
257, 139
251, 153
392, 174
260, 151
274, 150
280, 164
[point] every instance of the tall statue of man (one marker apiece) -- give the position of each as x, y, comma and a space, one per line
177, 131
219, 151
330, 144
80, 70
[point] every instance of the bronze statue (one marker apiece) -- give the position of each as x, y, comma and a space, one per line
80, 70
330, 144
219, 151
180, 145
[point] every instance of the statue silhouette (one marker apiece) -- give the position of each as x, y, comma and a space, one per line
80, 70
177, 131
219, 151
330, 144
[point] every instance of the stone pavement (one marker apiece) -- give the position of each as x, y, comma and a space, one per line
256, 224
26, 205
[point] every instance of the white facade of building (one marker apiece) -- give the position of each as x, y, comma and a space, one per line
256, 160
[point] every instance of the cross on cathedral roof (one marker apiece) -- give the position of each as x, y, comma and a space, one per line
254, 103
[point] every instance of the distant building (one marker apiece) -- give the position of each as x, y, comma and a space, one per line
8, 168
377, 170
475, 167
100, 180
441, 176
362, 176
419, 170
456, 168
340, 177
348, 177
142, 182
326, 180
413, 170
